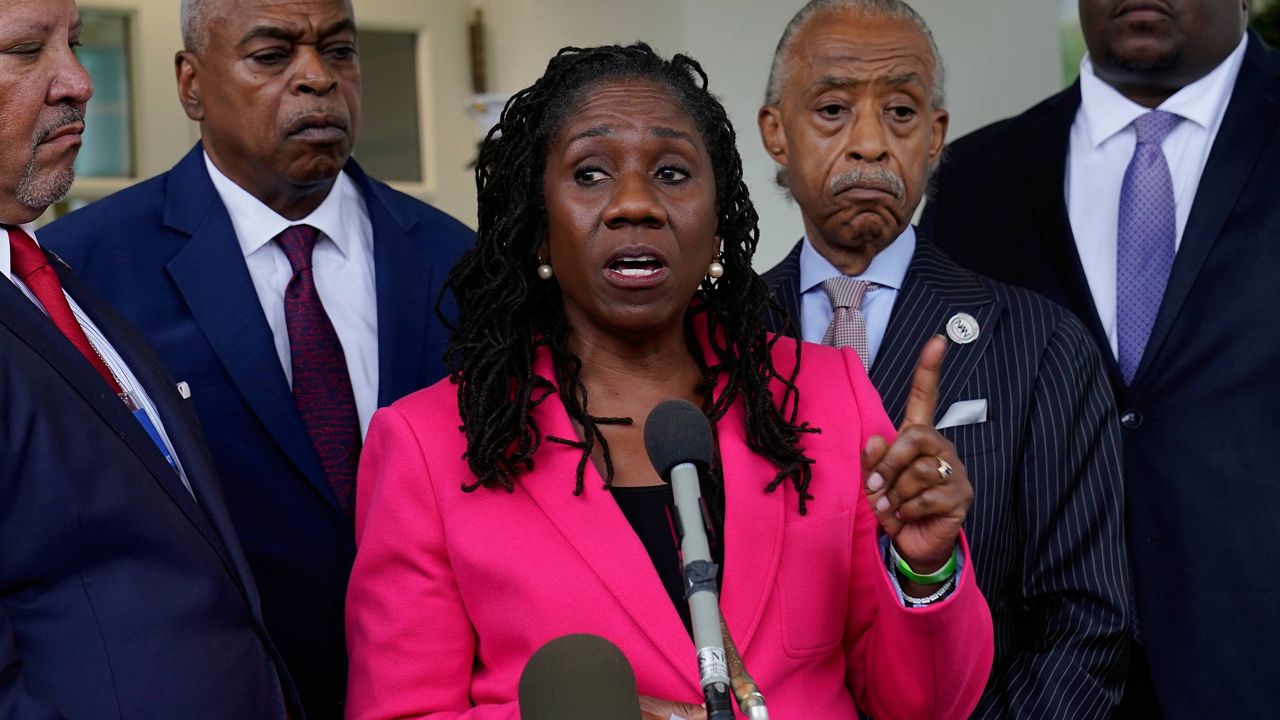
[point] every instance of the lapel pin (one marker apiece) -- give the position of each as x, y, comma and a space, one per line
963, 328
184, 390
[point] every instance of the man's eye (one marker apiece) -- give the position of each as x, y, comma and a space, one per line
343, 51
902, 112
271, 57
671, 174
831, 110
24, 49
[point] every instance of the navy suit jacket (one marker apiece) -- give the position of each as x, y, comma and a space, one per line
164, 253
121, 595
1046, 529
1201, 419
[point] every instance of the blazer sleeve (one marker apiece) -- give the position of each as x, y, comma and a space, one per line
16, 702
908, 663
1071, 654
410, 642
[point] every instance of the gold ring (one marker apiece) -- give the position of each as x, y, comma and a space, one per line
944, 468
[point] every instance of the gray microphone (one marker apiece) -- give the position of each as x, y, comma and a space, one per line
578, 677
677, 438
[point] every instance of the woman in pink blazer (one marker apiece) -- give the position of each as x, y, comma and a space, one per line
513, 503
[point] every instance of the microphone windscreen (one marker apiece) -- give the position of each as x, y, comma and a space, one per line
677, 432
578, 677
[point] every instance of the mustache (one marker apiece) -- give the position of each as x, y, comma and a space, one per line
335, 111
67, 115
870, 177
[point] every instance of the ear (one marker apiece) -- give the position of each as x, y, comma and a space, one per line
771, 133
186, 66
941, 121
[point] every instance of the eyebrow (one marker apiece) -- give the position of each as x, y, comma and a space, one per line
276, 32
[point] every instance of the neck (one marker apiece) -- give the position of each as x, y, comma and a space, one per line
623, 376
290, 200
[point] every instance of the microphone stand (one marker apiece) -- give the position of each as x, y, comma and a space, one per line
700, 590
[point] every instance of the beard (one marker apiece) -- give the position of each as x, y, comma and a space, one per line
38, 188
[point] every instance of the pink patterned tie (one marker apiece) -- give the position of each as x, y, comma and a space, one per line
848, 328
321, 384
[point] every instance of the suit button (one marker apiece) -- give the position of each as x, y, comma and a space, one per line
1131, 419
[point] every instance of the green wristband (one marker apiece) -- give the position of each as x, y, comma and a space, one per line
942, 574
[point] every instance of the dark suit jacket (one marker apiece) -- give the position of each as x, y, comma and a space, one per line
1201, 420
165, 254
1045, 529
121, 596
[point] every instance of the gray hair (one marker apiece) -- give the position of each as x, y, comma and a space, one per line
195, 24
879, 9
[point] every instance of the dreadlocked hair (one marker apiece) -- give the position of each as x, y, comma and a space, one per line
505, 313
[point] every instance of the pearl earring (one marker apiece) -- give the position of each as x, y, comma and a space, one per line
545, 271
716, 271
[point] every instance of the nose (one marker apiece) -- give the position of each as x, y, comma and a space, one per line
71, 83
314, 76
866, 139
634, 202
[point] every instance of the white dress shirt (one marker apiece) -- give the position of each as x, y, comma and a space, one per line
342, 265
1101, 145
887, 270
128, 381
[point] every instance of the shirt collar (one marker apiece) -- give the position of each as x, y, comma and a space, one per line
257, 225
887, 269
1107, 112
6, 259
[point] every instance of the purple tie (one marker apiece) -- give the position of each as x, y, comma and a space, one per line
1145, 237
848, 327
321, 384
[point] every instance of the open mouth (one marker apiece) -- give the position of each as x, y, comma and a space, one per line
636, 266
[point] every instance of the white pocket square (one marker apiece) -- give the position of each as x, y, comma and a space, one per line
964, 412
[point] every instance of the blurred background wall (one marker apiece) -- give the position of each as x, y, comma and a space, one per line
425, 109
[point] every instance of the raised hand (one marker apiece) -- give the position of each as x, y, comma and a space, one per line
917, 487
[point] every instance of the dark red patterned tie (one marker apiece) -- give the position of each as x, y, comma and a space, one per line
321, 384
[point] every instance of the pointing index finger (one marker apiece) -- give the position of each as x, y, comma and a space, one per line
922, 402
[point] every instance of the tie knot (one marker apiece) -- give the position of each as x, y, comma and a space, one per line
298, 242
846, 292
24, 255
1155, 126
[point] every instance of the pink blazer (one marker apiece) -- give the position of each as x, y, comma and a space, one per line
452, 592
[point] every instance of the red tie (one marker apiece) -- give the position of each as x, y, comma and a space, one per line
32, 267
321, 383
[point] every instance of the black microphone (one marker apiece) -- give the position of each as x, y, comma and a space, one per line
578, 677
677, 438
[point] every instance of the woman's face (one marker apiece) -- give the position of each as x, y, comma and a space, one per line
630, 197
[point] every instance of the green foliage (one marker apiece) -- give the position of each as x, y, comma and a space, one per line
1267, 24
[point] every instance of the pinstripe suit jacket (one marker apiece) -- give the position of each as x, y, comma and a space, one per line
1046, 528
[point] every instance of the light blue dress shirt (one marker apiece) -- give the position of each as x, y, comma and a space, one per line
887, 270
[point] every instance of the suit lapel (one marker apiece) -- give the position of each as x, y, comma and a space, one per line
598, 531
1248, 127
403, 295
784, 280
935, 289
28, 323
210, 515
211, 275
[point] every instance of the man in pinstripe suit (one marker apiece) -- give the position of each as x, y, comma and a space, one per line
854, 116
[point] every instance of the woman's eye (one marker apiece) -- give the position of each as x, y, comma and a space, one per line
671, 174
589, 175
